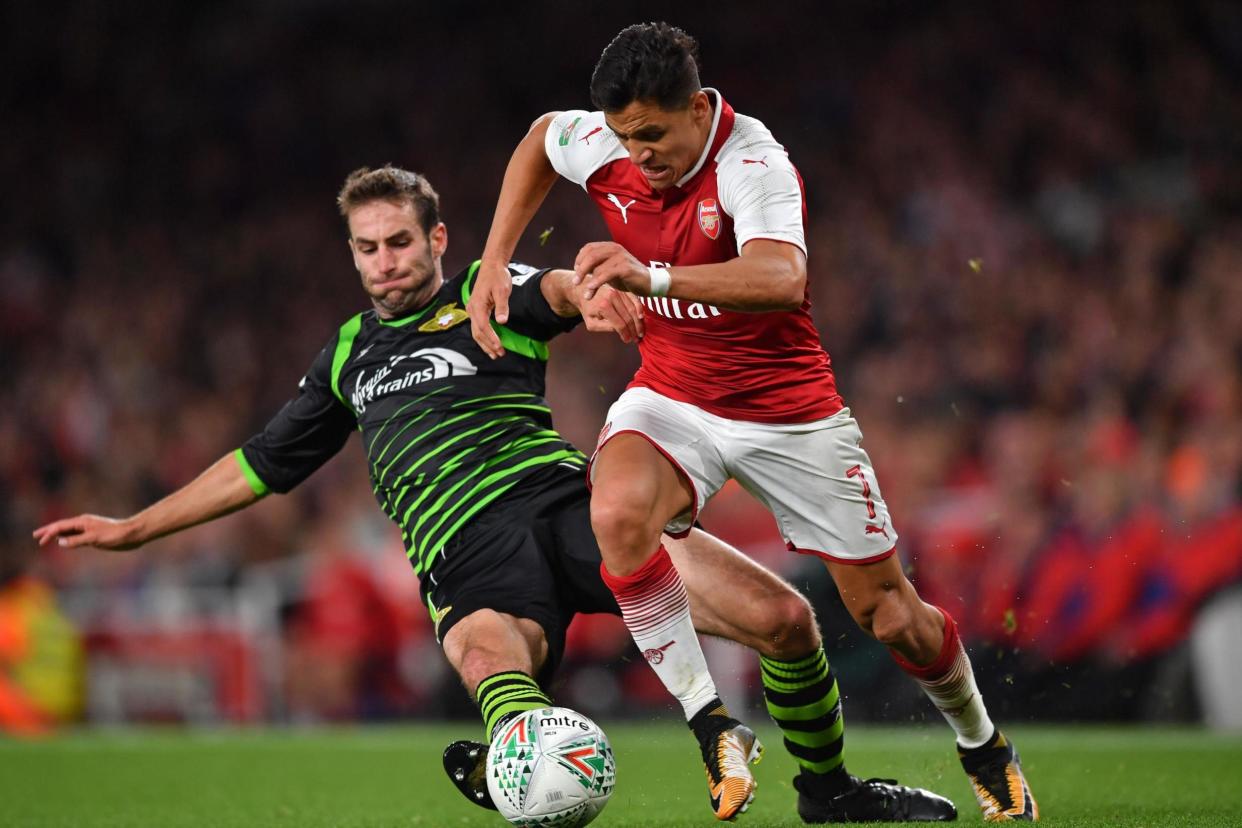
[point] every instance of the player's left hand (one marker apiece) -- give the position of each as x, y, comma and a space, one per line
608, 263
614, 311
90, 530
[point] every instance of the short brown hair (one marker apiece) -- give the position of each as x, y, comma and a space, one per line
389, 183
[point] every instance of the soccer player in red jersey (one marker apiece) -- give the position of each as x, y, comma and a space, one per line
707, 215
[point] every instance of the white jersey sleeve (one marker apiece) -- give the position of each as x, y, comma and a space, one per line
578, 143
759, 187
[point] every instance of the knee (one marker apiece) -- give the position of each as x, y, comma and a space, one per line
791, 630
621, 523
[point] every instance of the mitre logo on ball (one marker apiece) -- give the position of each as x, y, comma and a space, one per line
709, 218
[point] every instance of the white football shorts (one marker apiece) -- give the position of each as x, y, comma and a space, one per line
813, 477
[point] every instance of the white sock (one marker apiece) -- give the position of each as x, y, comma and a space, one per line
656, 609
949, 682
957, 697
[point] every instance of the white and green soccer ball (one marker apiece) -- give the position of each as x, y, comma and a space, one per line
551, 767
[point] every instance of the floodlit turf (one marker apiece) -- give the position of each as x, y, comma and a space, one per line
392, 777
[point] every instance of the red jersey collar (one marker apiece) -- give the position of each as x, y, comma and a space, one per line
722, 126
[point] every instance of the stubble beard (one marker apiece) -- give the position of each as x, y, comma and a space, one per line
398, 302
395, 302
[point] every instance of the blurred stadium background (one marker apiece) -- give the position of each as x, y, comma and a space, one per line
1026, 262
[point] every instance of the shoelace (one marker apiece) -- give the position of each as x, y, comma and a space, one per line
734, 761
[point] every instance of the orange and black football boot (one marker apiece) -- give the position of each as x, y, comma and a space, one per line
729, 747
996, 775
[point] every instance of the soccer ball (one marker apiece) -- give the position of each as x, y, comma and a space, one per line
550, 767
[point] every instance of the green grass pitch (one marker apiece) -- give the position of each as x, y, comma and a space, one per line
391, 777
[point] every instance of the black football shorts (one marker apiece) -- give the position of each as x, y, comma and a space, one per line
531, 554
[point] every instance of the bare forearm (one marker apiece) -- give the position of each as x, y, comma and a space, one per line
528, 178
219, 490
742, 284
768, 276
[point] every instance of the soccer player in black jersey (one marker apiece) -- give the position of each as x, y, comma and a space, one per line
491, 501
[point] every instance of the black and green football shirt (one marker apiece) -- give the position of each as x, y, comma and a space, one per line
446, 429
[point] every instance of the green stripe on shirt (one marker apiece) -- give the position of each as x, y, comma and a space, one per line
256, 483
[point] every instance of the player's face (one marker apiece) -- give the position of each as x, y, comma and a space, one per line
664, 144
398, 262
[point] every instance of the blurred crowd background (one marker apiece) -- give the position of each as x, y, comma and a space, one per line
1026, 262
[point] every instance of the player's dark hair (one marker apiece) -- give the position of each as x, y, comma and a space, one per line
647, 62
394, 184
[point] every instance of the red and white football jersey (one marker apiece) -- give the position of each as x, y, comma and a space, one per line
759, 367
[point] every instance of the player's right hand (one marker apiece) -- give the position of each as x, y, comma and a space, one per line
614, 311
603, 263
490, 295
89, 530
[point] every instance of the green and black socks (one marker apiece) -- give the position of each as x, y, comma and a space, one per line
504, 695
801, 695
804, 701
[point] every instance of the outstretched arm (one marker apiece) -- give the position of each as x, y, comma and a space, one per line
221, 489
528, 178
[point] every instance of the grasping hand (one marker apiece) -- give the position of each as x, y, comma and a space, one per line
608, 263
490, 295
611, 310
